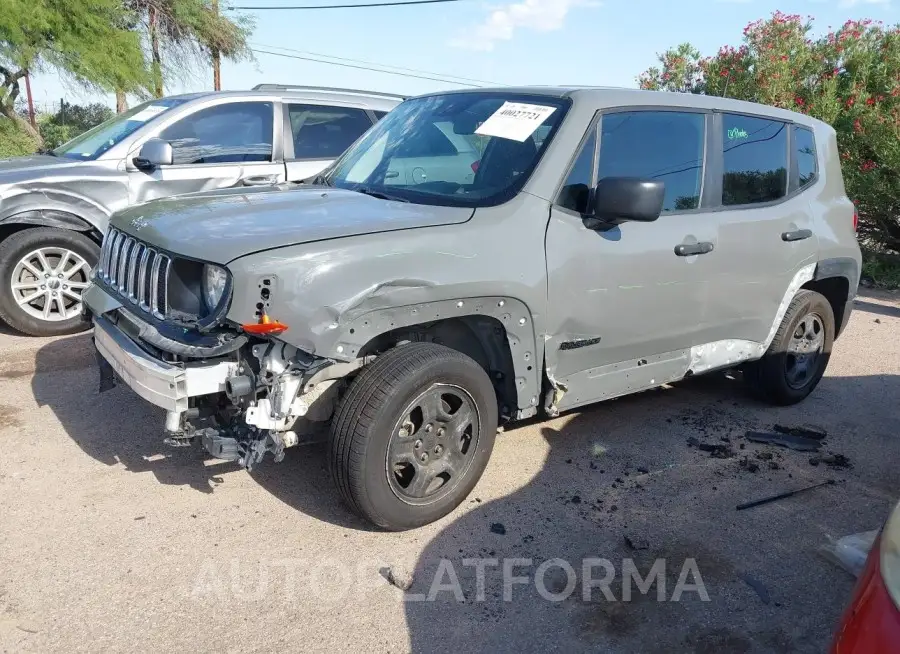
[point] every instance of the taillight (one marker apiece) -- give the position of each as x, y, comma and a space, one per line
855, 220
475, 165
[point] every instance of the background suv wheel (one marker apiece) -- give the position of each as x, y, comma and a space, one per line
43, 272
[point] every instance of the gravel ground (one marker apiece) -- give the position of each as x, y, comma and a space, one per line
112, 541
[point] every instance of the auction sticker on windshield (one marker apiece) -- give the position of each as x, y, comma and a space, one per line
515, 120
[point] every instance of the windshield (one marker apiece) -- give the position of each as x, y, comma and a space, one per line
101, 138
460, 149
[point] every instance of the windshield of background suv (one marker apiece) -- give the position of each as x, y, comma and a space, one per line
101, 138
459, 149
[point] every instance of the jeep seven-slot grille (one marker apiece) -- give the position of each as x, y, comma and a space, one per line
136, 271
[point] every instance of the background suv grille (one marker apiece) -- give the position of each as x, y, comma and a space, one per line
136, 271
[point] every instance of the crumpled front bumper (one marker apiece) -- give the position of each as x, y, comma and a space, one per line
164, 384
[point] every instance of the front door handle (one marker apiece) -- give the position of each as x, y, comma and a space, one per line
259, 180
796, 235
690, 249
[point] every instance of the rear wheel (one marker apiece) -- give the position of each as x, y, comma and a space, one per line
413, 435
799, 353
43, 272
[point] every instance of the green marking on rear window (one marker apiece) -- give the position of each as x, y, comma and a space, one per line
736, 133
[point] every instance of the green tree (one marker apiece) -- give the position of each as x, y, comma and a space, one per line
79, 39
849, 78
70, 121
186, 33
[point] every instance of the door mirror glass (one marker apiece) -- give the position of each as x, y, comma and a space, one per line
154, 153
617, 199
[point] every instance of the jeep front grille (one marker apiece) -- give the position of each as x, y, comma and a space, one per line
136, 271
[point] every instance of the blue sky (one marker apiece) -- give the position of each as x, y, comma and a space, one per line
591, 42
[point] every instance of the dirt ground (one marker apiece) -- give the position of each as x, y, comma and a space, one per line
111, 541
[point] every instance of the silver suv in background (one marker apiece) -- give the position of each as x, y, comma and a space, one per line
54, 207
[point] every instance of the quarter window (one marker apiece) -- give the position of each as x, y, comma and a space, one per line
805, 151
225, 133
663, 145
754, 161
576, 192
325, 132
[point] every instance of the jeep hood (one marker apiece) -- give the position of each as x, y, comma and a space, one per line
221, 226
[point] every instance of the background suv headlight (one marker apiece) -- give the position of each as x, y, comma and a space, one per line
215, 279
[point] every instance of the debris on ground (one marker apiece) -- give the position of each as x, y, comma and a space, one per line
833, 461
636, 542
498, 528
792, 441
757, 586
396, 576
850, 552
805, 431
780, 496
716, 450
748, 465
642, 470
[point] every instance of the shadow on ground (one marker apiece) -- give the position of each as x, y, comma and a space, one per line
620, 483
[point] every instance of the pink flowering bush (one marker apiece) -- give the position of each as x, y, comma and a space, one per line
849, 78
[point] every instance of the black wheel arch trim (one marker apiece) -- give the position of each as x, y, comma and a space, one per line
513, 314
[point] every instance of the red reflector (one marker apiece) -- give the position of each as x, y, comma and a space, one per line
475, 165
855, 220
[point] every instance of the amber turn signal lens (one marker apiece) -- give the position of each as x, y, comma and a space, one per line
265, 327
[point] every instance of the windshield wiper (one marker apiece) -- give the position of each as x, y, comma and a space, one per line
378, 194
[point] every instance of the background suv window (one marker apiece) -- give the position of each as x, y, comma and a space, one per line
226, 133
663, 145
755, 159
325, 132
805, 151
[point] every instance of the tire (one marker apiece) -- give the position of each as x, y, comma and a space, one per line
775, 378
386, 411
25, 257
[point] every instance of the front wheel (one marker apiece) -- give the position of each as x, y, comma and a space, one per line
413, 435
796, 360
43, 272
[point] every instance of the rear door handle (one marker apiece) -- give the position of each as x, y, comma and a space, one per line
796, 235
690, 249
260, 180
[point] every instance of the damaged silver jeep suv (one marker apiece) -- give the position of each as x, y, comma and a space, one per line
478, 257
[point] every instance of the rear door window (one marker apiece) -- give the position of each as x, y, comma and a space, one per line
663, 145
754, 159
322, 132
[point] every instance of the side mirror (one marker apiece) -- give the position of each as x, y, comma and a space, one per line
618, 199
154, 153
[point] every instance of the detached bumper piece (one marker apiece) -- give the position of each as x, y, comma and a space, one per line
166, 385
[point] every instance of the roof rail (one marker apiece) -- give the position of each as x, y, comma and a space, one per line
295, 87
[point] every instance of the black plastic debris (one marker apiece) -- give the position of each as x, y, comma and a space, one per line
636, 542
792, 441
781, 496
715, 450
833, 461
757, 586
498, 528
806, 431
